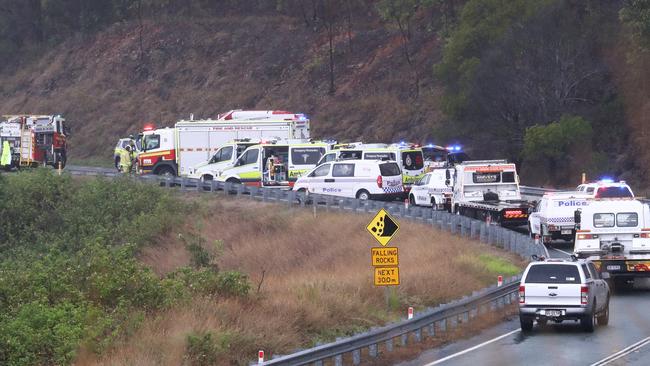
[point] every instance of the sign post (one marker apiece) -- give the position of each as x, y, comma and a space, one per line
384, 259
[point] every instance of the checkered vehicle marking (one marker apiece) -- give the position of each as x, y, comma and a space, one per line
557, 220
396, 189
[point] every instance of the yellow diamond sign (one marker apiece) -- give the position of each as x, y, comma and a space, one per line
382, 227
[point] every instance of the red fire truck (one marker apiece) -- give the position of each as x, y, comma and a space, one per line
33, 140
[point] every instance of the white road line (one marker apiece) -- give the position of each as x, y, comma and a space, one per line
472, 348
622, 353
562, 251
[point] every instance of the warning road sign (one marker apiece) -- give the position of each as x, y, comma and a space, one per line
386, 276
384, 256
383, 227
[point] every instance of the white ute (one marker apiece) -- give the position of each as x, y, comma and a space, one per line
559, 290
432, 190
552, 217
362, 179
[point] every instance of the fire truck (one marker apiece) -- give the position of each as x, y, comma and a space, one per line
176, 150
487, 190
34, 140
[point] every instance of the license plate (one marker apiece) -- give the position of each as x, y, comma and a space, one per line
553, 312
613, 268
566, 232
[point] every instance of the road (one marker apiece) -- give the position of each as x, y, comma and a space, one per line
559, 344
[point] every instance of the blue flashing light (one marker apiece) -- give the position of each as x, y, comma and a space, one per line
457, 148
430, 146
606, 180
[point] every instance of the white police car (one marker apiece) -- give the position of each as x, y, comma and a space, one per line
553, 216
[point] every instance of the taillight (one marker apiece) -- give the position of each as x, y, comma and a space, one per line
380, 181
587, 236
522, 294
644, 235
584, 295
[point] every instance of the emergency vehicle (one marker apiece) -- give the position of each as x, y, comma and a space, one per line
436, 157
488, 190
121, 145
290, 161
190, 142
362, 179
34, 140
225, 157
432, 191
408, 157
615, 235
606, 188
552, 217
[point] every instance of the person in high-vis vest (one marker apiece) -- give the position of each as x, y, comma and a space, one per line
126, 160
5, 158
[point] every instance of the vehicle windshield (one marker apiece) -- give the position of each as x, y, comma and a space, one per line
614, 192
434, 154
412, 160
553, 273
152, 142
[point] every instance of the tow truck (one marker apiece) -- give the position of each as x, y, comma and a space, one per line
34, 140
615, 235
487, 190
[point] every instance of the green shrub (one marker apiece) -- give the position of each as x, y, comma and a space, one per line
202, 349
233, 283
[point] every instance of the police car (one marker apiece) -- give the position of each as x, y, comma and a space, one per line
362, 179
552, 217
606, 188
432, 190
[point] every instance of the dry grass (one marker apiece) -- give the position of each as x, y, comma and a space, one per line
317, 281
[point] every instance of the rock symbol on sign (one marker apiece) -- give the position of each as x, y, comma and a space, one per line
382, 227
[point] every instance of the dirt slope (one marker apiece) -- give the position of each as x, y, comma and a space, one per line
107, 87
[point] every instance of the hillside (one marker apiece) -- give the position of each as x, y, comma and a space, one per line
106, 88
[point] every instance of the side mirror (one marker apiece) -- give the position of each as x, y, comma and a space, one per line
577, 218
447, 175
447, 181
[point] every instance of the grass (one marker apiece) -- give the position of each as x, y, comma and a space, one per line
314, 277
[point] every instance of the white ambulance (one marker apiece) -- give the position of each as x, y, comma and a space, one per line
225, 157
552, 217
362, 179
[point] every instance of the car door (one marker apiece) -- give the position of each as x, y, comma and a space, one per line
602, 289
315, 181
342, 180
247, 167
420, 190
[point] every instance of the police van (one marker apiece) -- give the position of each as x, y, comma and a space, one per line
224, 157
432, 190
409, 157
274, 164
362, 179
552, 217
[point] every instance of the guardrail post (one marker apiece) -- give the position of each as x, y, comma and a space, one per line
404, 339
183, 183
356, 357
431, 329
483, 233
291, 197
338, 360
213, 186
442, 325
265, 194
372, 350
418, 335
227, 187
240, 189
318, 363
389, 345
473, 313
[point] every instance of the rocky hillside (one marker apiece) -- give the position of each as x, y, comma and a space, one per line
108, 86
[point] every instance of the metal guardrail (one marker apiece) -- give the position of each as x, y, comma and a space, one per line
430, 321
534, 191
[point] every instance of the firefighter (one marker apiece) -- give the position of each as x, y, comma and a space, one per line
126, 159
5, 159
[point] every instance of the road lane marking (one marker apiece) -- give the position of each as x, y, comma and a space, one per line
622, 353
562, 251
473, 348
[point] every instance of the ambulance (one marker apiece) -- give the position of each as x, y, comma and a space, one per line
409, 157
615, 235
552, 217
173, 151
225, 157
275, 163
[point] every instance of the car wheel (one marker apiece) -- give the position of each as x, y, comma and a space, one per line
165, 171
363, 195
603, 318
526, 324
233, 180
412, 200
206, 178
588, 322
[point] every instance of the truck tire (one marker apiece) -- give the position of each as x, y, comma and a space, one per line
165, 170
588, 322
526, 324
603, 317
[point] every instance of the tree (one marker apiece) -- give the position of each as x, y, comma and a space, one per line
555, 146
636, 15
